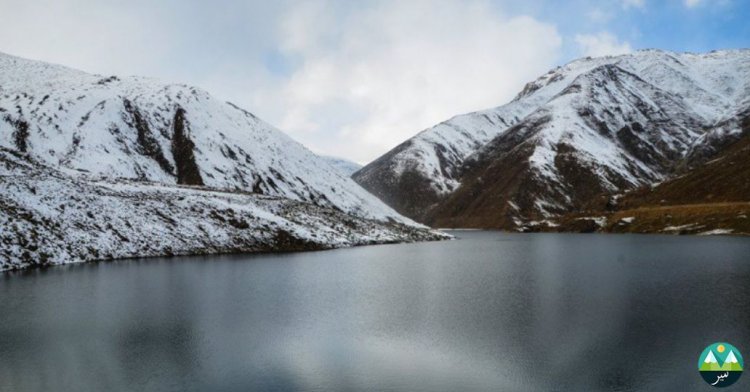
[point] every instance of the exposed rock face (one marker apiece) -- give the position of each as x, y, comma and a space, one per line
594, 127
147, 143
182, 151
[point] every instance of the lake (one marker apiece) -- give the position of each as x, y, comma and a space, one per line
487, 312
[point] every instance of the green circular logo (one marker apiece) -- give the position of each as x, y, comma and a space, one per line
721, 364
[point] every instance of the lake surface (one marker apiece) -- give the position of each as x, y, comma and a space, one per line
490, 311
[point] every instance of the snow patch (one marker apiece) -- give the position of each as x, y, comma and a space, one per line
717, 232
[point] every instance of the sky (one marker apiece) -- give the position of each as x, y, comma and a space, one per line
354, 78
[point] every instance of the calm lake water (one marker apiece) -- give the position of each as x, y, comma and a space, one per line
489, 312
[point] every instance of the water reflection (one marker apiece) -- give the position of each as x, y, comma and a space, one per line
491, 311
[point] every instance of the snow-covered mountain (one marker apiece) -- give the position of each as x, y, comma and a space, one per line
594, 126
96, 167
344, 166
138, 128
48, 217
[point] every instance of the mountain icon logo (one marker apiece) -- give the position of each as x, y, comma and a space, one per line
721, 364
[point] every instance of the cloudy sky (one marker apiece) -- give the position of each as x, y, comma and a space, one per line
355, 78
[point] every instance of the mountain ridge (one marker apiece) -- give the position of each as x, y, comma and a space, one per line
136, 128
593, 126
100, 168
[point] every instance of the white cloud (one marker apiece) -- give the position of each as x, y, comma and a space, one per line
379, 74
633, 4
345, 78
601, 44
692, 3
174, 40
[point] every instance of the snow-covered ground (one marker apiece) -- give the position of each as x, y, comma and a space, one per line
345, 167
49, 217
100, 167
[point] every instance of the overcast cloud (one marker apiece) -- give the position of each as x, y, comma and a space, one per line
353, 78
399, 67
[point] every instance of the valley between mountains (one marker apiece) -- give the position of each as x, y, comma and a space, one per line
104, 167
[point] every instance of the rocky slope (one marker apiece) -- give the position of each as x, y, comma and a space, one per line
96, 168
595, 126
50, 217
138, 128
713, 198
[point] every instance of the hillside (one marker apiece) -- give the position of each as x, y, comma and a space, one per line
711, 198
98, 168
594, 127
49, 218
138, 128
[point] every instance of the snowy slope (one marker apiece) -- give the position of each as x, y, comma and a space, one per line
344, 166
138, 128
98, 168
437, 153
679, 95
48, 217
595, 125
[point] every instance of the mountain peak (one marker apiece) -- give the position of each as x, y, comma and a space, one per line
141, 129
593, 126
96, 167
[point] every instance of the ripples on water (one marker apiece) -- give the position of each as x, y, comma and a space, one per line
490, 311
